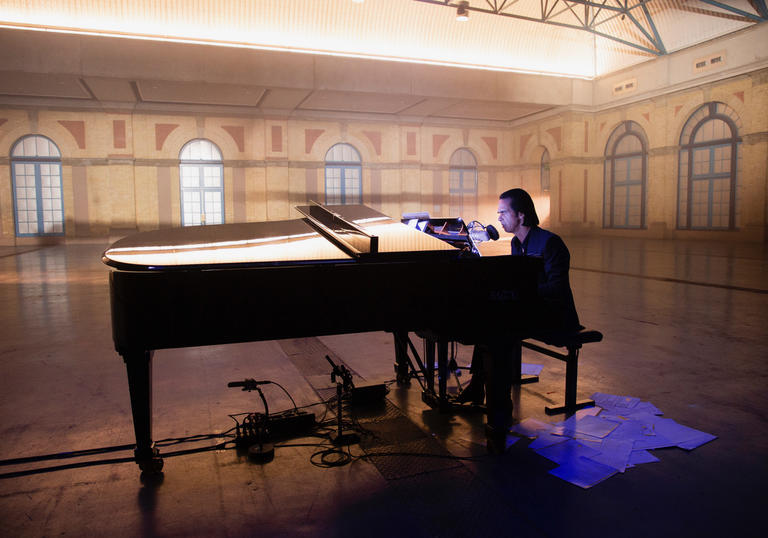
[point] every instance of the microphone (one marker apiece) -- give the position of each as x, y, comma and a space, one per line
480, 233
246, 383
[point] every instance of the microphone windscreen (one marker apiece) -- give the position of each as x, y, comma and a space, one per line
493, 233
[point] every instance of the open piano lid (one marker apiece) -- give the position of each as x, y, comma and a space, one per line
327, 234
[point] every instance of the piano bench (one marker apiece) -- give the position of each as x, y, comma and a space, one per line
572, 342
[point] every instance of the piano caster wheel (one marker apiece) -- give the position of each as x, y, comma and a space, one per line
150, 463
152, 467
402, 377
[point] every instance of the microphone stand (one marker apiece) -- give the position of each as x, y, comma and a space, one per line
262, 450
343, 379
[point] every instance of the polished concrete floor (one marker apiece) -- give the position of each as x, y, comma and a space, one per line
684, 326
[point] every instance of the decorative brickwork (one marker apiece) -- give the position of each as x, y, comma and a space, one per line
237, 132
524, 142
118, 134
375, 138
493, 144
77, 129
277, 138
557, 134
437, 141
310, 137
162, 130
410, 143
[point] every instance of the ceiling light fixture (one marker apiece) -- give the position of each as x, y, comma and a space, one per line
462, 13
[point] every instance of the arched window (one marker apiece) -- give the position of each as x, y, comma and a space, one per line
37, 200
202, 183
626, 174
544, 171
462, 183
343, 175
709, 147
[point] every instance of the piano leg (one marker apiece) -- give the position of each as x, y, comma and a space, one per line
442, 371
429, 362
139, 367
402, 370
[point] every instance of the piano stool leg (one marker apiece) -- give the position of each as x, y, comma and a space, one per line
571, 378
139, 367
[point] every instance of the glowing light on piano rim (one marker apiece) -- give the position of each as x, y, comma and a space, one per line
200, 246
311, 248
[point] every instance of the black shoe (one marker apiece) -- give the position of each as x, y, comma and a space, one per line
474, 392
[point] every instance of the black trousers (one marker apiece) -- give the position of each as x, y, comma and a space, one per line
498, 363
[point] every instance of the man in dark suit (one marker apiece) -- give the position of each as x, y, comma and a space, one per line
553, 316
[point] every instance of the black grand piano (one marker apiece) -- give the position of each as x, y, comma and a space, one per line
339, 269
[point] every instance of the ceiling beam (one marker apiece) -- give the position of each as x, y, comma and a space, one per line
547, 10
750, 16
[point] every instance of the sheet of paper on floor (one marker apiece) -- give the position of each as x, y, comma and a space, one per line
614, 453
532, 369
587, 425
563, 453
638, 457
530, 427
583, 472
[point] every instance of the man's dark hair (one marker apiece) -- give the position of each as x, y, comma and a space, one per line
521, 202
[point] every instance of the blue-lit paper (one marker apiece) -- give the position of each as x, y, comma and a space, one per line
638, 457
546, 439
531, 427
587, 425
566, 452
531, 369
614, 453
583, 472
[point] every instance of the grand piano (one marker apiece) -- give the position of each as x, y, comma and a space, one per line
339, 269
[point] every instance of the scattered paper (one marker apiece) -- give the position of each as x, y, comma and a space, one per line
611, 400
638, 457
563, 453
545, 440
583, 472
531, 427
613, 436
696, 442
587, 425
532, 369
614, 453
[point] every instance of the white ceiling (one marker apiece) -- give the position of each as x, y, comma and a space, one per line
421, 31
304, 57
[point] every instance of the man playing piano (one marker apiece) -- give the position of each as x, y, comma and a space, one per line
554, 315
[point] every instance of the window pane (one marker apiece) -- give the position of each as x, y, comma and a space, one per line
200, 150
212, 176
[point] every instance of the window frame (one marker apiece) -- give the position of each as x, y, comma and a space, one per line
201, 165
544, 165
688, 147
343, 167
37, 161
462, 191
622, 131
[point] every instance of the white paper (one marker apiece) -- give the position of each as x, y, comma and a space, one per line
614, 453
583, 472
